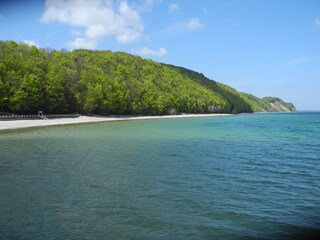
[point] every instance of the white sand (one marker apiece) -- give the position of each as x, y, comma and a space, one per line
16, 124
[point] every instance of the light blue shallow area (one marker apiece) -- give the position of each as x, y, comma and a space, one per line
249, 176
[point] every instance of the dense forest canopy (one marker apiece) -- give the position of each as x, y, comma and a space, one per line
103, 82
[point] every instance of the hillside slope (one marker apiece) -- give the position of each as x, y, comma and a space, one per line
103, 82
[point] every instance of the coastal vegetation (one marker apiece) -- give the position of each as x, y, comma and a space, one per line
105, 82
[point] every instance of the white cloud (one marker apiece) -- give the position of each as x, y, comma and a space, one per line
317, 22
148, 4
97, 18
76, 33
149, 52
173, 7
82, 43
183, 27
30, 42
194, 23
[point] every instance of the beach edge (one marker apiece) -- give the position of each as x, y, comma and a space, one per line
22, 124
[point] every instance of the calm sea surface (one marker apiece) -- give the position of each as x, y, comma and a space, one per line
253, 176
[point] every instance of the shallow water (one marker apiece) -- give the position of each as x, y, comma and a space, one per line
236, 177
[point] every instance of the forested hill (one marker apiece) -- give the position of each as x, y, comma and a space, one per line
103, 82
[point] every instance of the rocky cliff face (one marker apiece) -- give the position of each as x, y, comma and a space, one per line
278, 105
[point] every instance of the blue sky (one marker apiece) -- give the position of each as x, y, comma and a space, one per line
263, 47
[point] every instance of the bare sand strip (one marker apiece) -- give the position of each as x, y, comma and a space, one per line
17, 124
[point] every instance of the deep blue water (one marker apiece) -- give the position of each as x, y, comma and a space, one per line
254, 176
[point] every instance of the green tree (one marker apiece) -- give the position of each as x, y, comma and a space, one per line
103, 82
94, 98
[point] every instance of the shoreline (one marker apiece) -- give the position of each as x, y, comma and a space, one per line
22, 124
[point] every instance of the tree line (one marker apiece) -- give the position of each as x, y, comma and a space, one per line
104, 82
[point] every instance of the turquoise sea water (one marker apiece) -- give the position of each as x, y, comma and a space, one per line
254, 176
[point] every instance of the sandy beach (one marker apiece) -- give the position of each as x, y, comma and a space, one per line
18, 124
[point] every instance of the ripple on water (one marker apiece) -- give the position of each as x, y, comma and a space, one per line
245, 176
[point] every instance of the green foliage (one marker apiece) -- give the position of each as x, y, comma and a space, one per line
268, 104
277, 104
103, 82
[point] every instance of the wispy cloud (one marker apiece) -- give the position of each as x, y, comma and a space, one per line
1, 16
75, 32
85, 43
147, 5
183, 27
30, 42
97, 19
301, 60
317, 22
149, 52
173, 7
194, 24
232, 22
